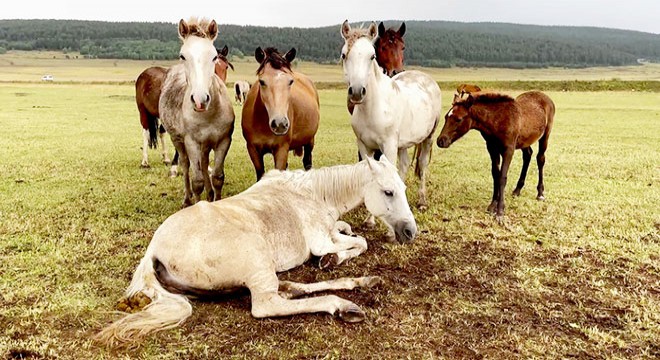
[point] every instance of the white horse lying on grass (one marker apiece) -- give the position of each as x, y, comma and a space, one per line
244, 240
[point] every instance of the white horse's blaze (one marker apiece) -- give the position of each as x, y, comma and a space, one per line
393, 114
244, 240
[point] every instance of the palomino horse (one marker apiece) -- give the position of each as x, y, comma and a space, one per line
506, 125
197, 112
391, 114
281, 112
245, 240
241, 87
147, 94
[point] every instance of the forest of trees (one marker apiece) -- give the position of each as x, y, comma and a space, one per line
428, 43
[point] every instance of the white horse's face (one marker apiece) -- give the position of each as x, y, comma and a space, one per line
199, 57
385, 198
359, 62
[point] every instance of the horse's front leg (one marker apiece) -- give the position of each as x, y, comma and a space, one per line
506, 161
339, 247
199, 172
218, 175
281, 157
494, 153
185, 166
257, 158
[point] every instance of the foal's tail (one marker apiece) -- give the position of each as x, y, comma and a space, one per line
166, 310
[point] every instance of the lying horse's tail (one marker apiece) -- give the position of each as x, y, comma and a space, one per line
166, 310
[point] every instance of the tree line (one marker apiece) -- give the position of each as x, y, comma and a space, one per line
428, 43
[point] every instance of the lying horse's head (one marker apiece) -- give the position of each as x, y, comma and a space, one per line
385, 198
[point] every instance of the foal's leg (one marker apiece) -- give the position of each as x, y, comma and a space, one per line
218, 175
267, 302
527, 156
290, 289
307, 155
540, 160
506, 161
495, 172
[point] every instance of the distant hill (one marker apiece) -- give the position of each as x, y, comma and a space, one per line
428, 43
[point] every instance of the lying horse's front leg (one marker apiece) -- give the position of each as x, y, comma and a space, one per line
290, 289
339, 247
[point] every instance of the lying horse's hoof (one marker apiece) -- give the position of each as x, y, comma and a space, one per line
352, 313
328, 261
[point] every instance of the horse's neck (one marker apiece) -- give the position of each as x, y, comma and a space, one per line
340, 187
381, 89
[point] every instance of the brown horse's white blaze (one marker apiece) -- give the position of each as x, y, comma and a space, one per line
196, 110
506, 124
245, 240
281, 112
391, 115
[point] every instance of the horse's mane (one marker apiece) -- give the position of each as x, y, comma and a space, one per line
275, 59
198, 27
354, 34
490, 98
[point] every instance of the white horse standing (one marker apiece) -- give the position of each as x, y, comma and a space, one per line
390, 114
196, 111
273, 226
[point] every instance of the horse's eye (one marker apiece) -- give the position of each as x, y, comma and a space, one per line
262, 83
343, 56
291, 82
215, 58
182, 57
373, 57
388, 193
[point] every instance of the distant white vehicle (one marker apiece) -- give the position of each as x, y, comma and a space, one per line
47, 78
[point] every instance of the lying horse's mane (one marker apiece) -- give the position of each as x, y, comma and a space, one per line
275, 59
198, 27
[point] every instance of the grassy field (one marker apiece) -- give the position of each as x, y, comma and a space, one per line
576, 276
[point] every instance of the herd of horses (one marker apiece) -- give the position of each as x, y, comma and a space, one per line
213, 247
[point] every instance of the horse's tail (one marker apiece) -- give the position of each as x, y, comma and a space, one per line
237, 88
166, 310
153, 131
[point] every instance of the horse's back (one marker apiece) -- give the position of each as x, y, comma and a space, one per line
423, 100
537, 110
148, 89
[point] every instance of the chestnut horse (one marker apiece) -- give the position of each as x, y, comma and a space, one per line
506, 125
281, 112
147, 95
196, 111
389, 49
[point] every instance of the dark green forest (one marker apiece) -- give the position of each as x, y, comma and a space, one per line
428, 43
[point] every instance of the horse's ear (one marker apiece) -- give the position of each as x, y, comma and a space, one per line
212, 29
224, 51
373, 164
381, 29
184, 29
290, 55
372, 31
469, 101
402, 29
259, 55
457, 98
345, 29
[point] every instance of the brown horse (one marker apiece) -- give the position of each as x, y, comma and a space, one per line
506, 125
389, 49
463, 89
147, 94
281, 112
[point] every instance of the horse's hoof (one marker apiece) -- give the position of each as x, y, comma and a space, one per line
540, 198
492, 208
422, 207
390, 238
173, 174
352, 313
328, 260
372, 281
167, 162
500, 219
516, 192
145, 166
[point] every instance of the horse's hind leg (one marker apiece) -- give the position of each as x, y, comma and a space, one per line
290, 289
527, 156
163, 146
540, 160
145, 147
307, 155
421, 165
174, 168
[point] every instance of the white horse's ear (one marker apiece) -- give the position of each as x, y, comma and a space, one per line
384, 159
212, 30
184, 30
345, 29
373, 164
373, 30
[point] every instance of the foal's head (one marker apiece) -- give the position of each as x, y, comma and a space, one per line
222, 64
457, 121
275, 81
385, 198
389, 49
199, 56
358, 57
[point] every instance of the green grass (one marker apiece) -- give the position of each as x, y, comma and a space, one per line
575, 276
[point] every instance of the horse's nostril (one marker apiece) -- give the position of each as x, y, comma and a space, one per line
408, 233
208, 97
273, 124
364, 91
350, 91
192, 98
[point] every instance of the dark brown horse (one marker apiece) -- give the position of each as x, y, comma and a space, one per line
281, 112
147, 94
506, 125
389, 49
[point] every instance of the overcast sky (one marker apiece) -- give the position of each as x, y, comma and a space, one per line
641, 15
